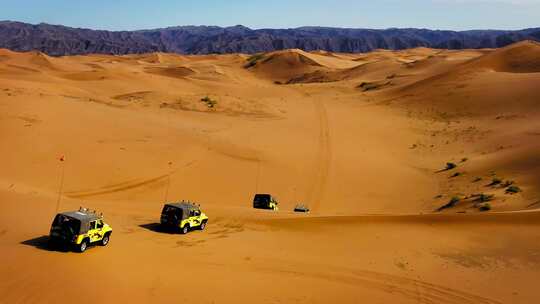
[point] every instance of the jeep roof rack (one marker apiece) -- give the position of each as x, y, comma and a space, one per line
184, 205
90, 212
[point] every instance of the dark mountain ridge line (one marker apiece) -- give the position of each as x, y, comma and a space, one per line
59, 40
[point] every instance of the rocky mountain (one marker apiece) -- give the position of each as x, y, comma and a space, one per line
59, 40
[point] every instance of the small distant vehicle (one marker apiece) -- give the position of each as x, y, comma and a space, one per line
80, 229
184, 216
265, 201
301, 208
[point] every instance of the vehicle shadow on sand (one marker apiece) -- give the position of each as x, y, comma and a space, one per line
157, 227
43, 243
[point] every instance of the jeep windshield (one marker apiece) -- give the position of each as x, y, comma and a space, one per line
68, 226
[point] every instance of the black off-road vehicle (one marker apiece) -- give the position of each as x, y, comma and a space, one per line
265, 201
301, 208
79, 229
184, 216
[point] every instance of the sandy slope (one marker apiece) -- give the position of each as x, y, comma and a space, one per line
356, 134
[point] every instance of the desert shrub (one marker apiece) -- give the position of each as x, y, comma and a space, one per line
252, 60
507, 183
453, 201
209, 101
513, 190
464, 159
477, 179
456, 174
482, 198
450, 166
250, 64
368, 86
495, 181
256, 57
485, 207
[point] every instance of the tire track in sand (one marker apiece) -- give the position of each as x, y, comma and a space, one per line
399, 287
417, 290
324, 156
116, 188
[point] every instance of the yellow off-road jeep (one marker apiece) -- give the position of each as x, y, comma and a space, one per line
184, 216
265, 201
80, 229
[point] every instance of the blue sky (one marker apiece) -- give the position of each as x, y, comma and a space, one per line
133, 14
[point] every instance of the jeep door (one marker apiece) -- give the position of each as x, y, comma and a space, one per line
95, 231
195, 218
99, 228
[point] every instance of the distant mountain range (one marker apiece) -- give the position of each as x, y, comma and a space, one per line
59, 40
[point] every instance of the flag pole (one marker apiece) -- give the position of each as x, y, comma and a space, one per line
258, 176
62, 159
168, 183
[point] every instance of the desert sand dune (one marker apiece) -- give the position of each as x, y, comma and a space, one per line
370, 70
161, 58
175, 72
363, 139
384, 65
523, 57
282, 64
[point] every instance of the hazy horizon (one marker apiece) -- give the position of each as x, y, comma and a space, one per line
455, 15
274, 28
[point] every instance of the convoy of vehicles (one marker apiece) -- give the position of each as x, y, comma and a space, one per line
82, 228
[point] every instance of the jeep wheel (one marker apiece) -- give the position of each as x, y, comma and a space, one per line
83, 246
185, 229
105, 240
203, 225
